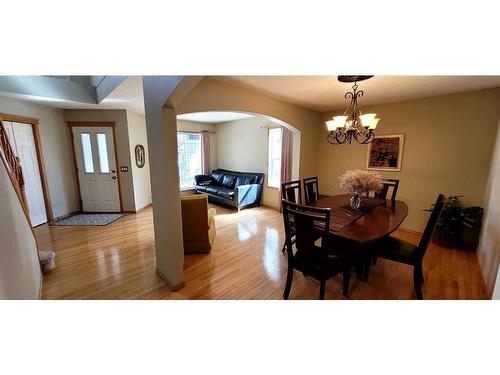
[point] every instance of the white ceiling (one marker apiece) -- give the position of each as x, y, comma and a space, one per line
214, 117
323, 93
320, 93
128, 95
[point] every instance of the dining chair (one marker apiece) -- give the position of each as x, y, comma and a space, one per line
292, 191
387, 184
397, 250
310, 258
311, 190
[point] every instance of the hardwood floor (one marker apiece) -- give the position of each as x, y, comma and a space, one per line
118, 262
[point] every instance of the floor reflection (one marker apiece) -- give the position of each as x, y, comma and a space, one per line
247, 228
271, 252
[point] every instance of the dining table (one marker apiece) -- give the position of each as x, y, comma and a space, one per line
375, 219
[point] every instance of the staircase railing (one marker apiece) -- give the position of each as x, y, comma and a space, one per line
13, 166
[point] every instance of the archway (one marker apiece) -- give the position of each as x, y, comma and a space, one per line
167, 96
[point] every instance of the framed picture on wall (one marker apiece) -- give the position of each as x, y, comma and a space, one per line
385, 153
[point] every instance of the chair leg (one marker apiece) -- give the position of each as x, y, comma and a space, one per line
322, 289
421, 274
289, 279
416, 281
346, 281
359, 270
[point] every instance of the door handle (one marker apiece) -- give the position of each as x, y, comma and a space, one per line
114, 177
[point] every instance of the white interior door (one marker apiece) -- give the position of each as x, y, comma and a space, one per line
22, 140
8, 128
96, 164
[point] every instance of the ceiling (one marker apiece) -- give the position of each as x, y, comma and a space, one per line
128, 95
324, 93
319, 93
214, 117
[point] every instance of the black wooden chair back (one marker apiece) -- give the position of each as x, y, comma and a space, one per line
307, 223
429, 228
388, 183
311, 190
292, 191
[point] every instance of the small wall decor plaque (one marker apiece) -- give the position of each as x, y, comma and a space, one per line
140, 156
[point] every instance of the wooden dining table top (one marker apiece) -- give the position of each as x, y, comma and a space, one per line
383, 217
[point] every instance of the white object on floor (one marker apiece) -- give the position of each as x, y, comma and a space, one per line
47, 261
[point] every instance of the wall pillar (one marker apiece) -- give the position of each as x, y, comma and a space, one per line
161, 124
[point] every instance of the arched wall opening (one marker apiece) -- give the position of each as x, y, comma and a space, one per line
239, 141
197, 94
167, 96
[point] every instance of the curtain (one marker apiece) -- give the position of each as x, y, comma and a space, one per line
286, 157
205, 152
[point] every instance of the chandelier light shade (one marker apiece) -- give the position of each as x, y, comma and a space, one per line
336, 122
352, 124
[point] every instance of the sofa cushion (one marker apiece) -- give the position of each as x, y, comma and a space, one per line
213, 189
225, 192
201, 187
244, 180
229, 181
218, 176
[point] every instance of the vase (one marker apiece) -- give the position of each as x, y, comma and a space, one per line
355, 201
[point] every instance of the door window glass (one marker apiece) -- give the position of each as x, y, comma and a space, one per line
87, 153
103, 153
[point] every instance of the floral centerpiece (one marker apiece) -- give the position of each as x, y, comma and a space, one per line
357, 182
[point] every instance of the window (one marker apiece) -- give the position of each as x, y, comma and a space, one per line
274, 158
103, 153
87, 153
189, 149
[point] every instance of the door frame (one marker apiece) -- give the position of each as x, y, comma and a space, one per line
97, 124
35, 126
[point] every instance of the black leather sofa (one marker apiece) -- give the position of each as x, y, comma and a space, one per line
230, 188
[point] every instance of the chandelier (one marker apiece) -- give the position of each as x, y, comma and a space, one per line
352, 124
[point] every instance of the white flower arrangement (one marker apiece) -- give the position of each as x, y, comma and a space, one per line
358, 181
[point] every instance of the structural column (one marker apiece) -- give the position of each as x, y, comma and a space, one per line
161, 124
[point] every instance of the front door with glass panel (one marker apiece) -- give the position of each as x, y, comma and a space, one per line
96, 164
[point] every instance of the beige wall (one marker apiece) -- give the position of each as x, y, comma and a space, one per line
448, 148
20, 276
489, 245
244, 148
57, 154
122, 146
141, 177
197, 127
211, 94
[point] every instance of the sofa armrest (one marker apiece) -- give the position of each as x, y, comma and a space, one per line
201, 178
247, 194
